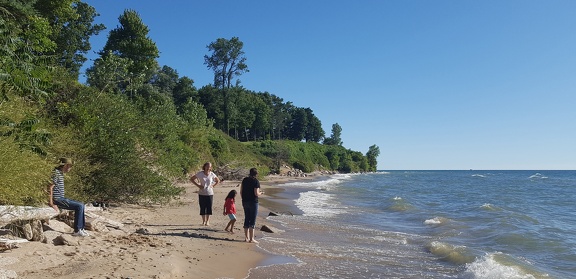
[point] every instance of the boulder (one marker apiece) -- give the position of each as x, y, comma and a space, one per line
58, 226
93, 218
66, 239
27, 231
266, 228
37, 231
50, 236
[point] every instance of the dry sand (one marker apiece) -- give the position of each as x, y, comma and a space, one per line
170, 243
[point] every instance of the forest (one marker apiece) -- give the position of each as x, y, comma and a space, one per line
136, 128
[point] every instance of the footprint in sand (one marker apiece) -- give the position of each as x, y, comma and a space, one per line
4, 273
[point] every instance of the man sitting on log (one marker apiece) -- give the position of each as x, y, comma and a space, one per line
57, 200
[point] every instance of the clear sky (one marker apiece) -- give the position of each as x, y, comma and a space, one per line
441, 84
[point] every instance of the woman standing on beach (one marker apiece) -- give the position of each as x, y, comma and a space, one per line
57, 200
250, 191
205, 180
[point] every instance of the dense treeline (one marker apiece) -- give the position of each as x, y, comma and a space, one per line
136, 127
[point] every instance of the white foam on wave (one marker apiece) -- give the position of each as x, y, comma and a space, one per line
489, 206
537, 176
319, 204
436, 221
397, 198
499, 265
325, 184
478, 175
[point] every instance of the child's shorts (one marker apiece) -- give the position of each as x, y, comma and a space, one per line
232, 216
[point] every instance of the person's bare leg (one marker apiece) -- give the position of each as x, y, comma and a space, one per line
251, 233
246, 235
207, 220
231, 226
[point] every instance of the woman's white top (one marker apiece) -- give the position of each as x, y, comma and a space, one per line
207, 181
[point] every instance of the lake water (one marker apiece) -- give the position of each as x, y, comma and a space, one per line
426, 224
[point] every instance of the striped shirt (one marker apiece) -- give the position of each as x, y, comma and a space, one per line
58, 180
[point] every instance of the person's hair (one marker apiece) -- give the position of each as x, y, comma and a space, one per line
63, 161
253, 172
231, 194
206, 165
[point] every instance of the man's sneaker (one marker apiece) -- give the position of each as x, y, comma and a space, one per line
81, 233
85, 232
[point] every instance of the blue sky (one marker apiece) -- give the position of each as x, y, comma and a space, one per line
441, 84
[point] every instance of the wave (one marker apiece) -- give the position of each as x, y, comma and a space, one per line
500, 265
478, 175
436, 221
490, 207
399, 204
323, 184
320, 204
537, 176
450, 253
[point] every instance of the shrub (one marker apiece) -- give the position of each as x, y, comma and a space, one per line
24, 177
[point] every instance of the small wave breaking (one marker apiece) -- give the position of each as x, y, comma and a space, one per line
500, 265
436, 221
538, 176
450, 253
318, 204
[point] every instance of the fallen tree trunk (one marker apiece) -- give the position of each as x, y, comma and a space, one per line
11, 213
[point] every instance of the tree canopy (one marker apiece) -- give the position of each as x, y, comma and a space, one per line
136, 127
227, 61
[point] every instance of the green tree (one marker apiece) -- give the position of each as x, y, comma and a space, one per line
130, 41
249, 114
335, 138
297, 127
194, 114
110, 73
72, 26
214, 104
279, 115
372, 155
227, 61
262, 122
184, 92
24, 36
314, 131
165, 80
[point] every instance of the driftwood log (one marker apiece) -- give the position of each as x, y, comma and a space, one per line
27, 222
10, 213
228, 173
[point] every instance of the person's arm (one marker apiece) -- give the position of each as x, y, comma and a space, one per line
194, 180
50, 197
257, 192
216, 180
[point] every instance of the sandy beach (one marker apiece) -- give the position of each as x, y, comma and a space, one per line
165, 241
